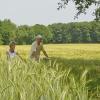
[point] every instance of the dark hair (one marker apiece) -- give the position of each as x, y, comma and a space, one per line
12, 43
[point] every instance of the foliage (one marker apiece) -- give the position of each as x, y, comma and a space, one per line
85, 32
80, 32
82, 6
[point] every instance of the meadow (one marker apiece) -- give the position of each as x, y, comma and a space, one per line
71, 73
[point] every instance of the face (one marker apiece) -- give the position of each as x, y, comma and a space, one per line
12, 47
39, 40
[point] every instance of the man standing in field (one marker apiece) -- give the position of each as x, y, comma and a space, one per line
37, 47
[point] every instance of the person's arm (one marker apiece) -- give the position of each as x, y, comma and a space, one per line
33, 54
33, 51
44, 52
7, 54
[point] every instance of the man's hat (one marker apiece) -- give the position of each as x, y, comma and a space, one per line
38, 37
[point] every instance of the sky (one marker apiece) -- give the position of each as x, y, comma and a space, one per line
45, 12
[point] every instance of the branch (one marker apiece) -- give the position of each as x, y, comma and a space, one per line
82, 6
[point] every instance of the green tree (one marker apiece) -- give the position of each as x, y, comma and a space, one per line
24, 35
44, 31
82, 6
80, 32
7, 28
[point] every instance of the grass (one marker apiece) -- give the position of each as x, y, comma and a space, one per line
72, 73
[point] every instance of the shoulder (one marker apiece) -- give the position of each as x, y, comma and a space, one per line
34, 43
34, 46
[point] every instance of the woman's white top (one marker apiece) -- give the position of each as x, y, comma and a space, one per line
11, 54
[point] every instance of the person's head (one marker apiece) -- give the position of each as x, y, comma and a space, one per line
39, 39
12, 45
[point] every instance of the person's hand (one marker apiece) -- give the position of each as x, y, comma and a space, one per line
46, 58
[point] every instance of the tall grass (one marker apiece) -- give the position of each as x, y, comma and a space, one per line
73, 73
28, 80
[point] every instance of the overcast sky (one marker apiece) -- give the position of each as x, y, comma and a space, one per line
39, 12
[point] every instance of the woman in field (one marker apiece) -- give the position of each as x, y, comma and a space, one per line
11, 53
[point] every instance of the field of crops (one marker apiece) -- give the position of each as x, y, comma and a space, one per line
72, 73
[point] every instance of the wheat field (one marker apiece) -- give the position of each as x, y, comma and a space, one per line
86, 51
72, 73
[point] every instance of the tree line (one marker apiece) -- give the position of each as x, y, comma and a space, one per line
78, 32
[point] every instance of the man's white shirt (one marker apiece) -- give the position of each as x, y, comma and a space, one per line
36, 49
